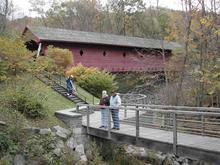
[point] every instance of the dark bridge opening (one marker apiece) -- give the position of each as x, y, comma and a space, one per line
31, 45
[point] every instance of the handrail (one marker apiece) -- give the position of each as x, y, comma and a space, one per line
203, 120
61, 83
139, 98
209, 109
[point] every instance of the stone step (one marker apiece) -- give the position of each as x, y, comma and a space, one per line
61, 90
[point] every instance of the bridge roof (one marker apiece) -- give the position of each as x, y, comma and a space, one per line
72, 36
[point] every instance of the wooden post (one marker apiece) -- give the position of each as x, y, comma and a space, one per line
203, 125
87, 128
109, 123
77, 108
125, 112
38, 50
174, 134
137, 125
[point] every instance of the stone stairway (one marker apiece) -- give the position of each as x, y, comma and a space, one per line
61, 90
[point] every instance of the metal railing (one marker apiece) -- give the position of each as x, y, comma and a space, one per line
178, 119
60, 80
133, 98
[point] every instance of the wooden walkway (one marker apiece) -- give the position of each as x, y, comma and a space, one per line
193, 142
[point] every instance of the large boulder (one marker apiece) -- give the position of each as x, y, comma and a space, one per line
61, 132
45, 131
58, 147
19, 160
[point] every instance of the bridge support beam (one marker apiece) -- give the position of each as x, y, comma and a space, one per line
137, 125
174, 134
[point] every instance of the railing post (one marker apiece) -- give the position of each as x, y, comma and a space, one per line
93, 100
125, 112
137, 125
88, 122
109, 123
60, 79
77, 108
174, 134
203, 125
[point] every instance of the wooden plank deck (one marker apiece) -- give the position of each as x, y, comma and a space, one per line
198, 142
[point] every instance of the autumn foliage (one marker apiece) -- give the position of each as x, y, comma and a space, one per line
61, 58
14, 53
92, 79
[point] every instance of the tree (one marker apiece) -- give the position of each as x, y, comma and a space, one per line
5, 7
40, 7
60, 59
92, 79
123, 14
77, 15
14, 52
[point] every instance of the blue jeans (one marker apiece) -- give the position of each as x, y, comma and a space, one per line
115, 117
104, 117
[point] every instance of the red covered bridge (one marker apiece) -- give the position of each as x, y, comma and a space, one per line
106, 51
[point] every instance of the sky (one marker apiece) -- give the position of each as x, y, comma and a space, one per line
23, 6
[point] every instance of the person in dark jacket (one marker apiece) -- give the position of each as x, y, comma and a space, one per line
69, 86
104, 112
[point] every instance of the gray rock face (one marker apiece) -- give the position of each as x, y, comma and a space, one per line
2, 123
169, 160
176, 163
71, 143
19, 160
58, 148
45, 131
80, 149
77, 131
159, 158
61, 132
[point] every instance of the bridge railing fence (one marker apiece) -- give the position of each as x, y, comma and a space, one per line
176, 119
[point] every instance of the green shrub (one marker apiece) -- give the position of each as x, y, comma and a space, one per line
24, 102
93, 80
62, 58
6, 145
116, 154
40, 148
94, 156
37, 145
6, 160
3, 70
15, 53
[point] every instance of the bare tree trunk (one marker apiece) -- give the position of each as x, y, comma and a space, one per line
4, 14
188, 9
203, 54
163, 54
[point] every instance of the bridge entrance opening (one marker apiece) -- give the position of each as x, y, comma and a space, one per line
31, 45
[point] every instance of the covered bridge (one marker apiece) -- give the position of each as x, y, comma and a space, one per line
106, 51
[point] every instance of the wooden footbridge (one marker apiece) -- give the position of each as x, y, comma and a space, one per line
185, 131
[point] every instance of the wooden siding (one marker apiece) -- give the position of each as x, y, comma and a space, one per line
114, 59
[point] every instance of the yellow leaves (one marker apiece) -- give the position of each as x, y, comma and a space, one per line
15, 53
218, 32
207, 21
80, 70
60, 58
